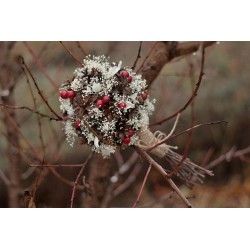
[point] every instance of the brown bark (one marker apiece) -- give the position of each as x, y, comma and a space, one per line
98, 179
163, 53
7, 97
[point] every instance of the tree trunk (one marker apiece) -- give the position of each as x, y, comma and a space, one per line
7, 97
98, 179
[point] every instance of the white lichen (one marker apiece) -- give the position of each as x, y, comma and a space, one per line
69, 132
66, 106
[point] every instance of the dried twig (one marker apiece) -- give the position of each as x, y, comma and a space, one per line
162, 198
164, 174
98, 180
38, 117
31, 110
122, 169
38, 156
119, 158
81, 48
189, 139
232, 153
77, 179
57, 165
71, 54
194, 92
185, 131
39, 64
129, 181
14, 125
4, 178
138, 57
64, 180
38, 89
142, 186
148, 55
130, 162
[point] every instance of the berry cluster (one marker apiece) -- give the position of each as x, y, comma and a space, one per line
105, 105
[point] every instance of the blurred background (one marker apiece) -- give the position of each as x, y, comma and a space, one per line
223, 95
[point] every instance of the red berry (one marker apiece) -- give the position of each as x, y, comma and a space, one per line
144, 96
71, 94
130, 79
130, 132
99, 103
106, 99
122, 105
125, 74
126, 140
77, 124
64, 94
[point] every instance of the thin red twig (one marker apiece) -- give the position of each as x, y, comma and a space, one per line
77, 179
57, 165
193, 95
142, 186
185, 131
150, 52
38, 89
17, 129
187, 145
71, 54
159, 168
39, 64
138, 57
38, 117
81, 48
232, 153
4, 178
129, 181
64, 180
38, 156
122, 169
31, 110
207, 157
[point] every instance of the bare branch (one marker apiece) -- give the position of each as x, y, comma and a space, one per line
38, 117
185, 131
142, 186
129, 181
164, 174
232, 153
194, 92
39, 64
163, 53
31, 110
38, 89
4, 178
127, 165
57, 165
81, 48
148, 55
138, 57
64, 180
71, 54
77, 179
